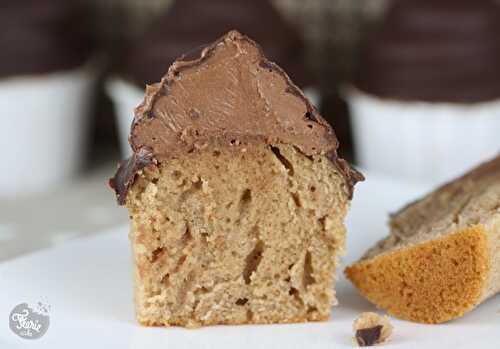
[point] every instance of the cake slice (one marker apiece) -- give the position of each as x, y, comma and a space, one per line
442, 257
235, 193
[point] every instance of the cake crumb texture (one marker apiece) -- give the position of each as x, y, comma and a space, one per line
236, 235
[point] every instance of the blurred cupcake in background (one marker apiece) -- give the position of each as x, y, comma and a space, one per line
426, 101
45, 86
189, 24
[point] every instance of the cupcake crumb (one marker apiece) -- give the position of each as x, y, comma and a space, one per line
371, 329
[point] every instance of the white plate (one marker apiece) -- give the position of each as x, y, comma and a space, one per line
88, 284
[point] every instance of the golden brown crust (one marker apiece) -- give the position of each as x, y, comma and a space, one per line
432, 282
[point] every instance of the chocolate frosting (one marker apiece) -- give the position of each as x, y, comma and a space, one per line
128, 169
436, 51
228, 96
41, 36
192, 23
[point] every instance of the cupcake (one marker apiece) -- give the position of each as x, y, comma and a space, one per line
235, 192
44, 92
192, 23
425, 104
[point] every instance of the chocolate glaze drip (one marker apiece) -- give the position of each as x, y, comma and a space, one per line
192, 23
41, 36
436, 51
127, 171
229, 96
351, 175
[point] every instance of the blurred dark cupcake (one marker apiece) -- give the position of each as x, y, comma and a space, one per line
41, 36
426, 100
44, 90
190, 24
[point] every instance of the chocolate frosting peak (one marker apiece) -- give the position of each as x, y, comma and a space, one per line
190, 23
42, 36
228, 96
436, 51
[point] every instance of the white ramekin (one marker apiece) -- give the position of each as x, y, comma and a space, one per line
43, 129
127, 96
420, 141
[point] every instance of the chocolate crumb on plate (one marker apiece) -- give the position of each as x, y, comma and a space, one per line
371, 329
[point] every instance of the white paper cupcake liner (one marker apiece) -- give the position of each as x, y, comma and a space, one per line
43, 128
127, 96
426, 142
